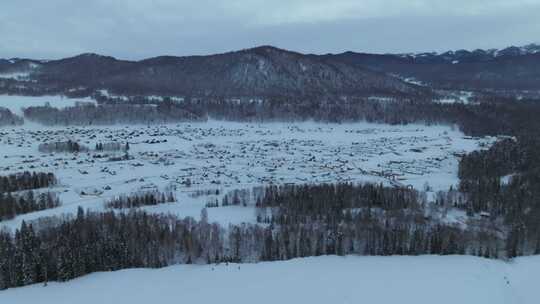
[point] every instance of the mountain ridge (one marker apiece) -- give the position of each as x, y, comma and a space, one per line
270, 71
261, 71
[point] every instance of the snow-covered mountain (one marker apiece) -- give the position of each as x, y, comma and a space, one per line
262, 71
268, 71
19, 69
509, 69
458, 56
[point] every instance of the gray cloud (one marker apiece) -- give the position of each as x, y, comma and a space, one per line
135, 29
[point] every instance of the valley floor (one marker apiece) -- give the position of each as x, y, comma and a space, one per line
224, 156
329, 279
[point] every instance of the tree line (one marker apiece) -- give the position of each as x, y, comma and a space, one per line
108, 114
13, 205
366, 219
111, 146
62, 146
26, 181
71, 146
107, 241
7, 118
141, 199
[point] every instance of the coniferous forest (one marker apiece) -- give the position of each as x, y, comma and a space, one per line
17, 195
294, 221
7, 118
26, 181
140, 199
12, 205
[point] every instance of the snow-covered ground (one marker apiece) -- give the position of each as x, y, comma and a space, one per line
330, 279
16, 103
228, 155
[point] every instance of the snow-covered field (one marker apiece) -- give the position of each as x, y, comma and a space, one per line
227, 155
330, 279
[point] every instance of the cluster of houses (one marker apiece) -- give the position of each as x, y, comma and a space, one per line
207, 155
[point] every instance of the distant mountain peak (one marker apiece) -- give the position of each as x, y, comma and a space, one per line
93, 56
267, 48
528, 49
477, 55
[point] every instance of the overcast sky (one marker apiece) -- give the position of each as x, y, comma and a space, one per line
134, 29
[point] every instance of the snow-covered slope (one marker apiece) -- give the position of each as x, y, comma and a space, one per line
424, 279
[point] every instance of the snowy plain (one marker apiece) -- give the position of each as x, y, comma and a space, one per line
328, 279
225, 156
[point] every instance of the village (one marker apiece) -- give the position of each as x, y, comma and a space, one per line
203, 164
232, 155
